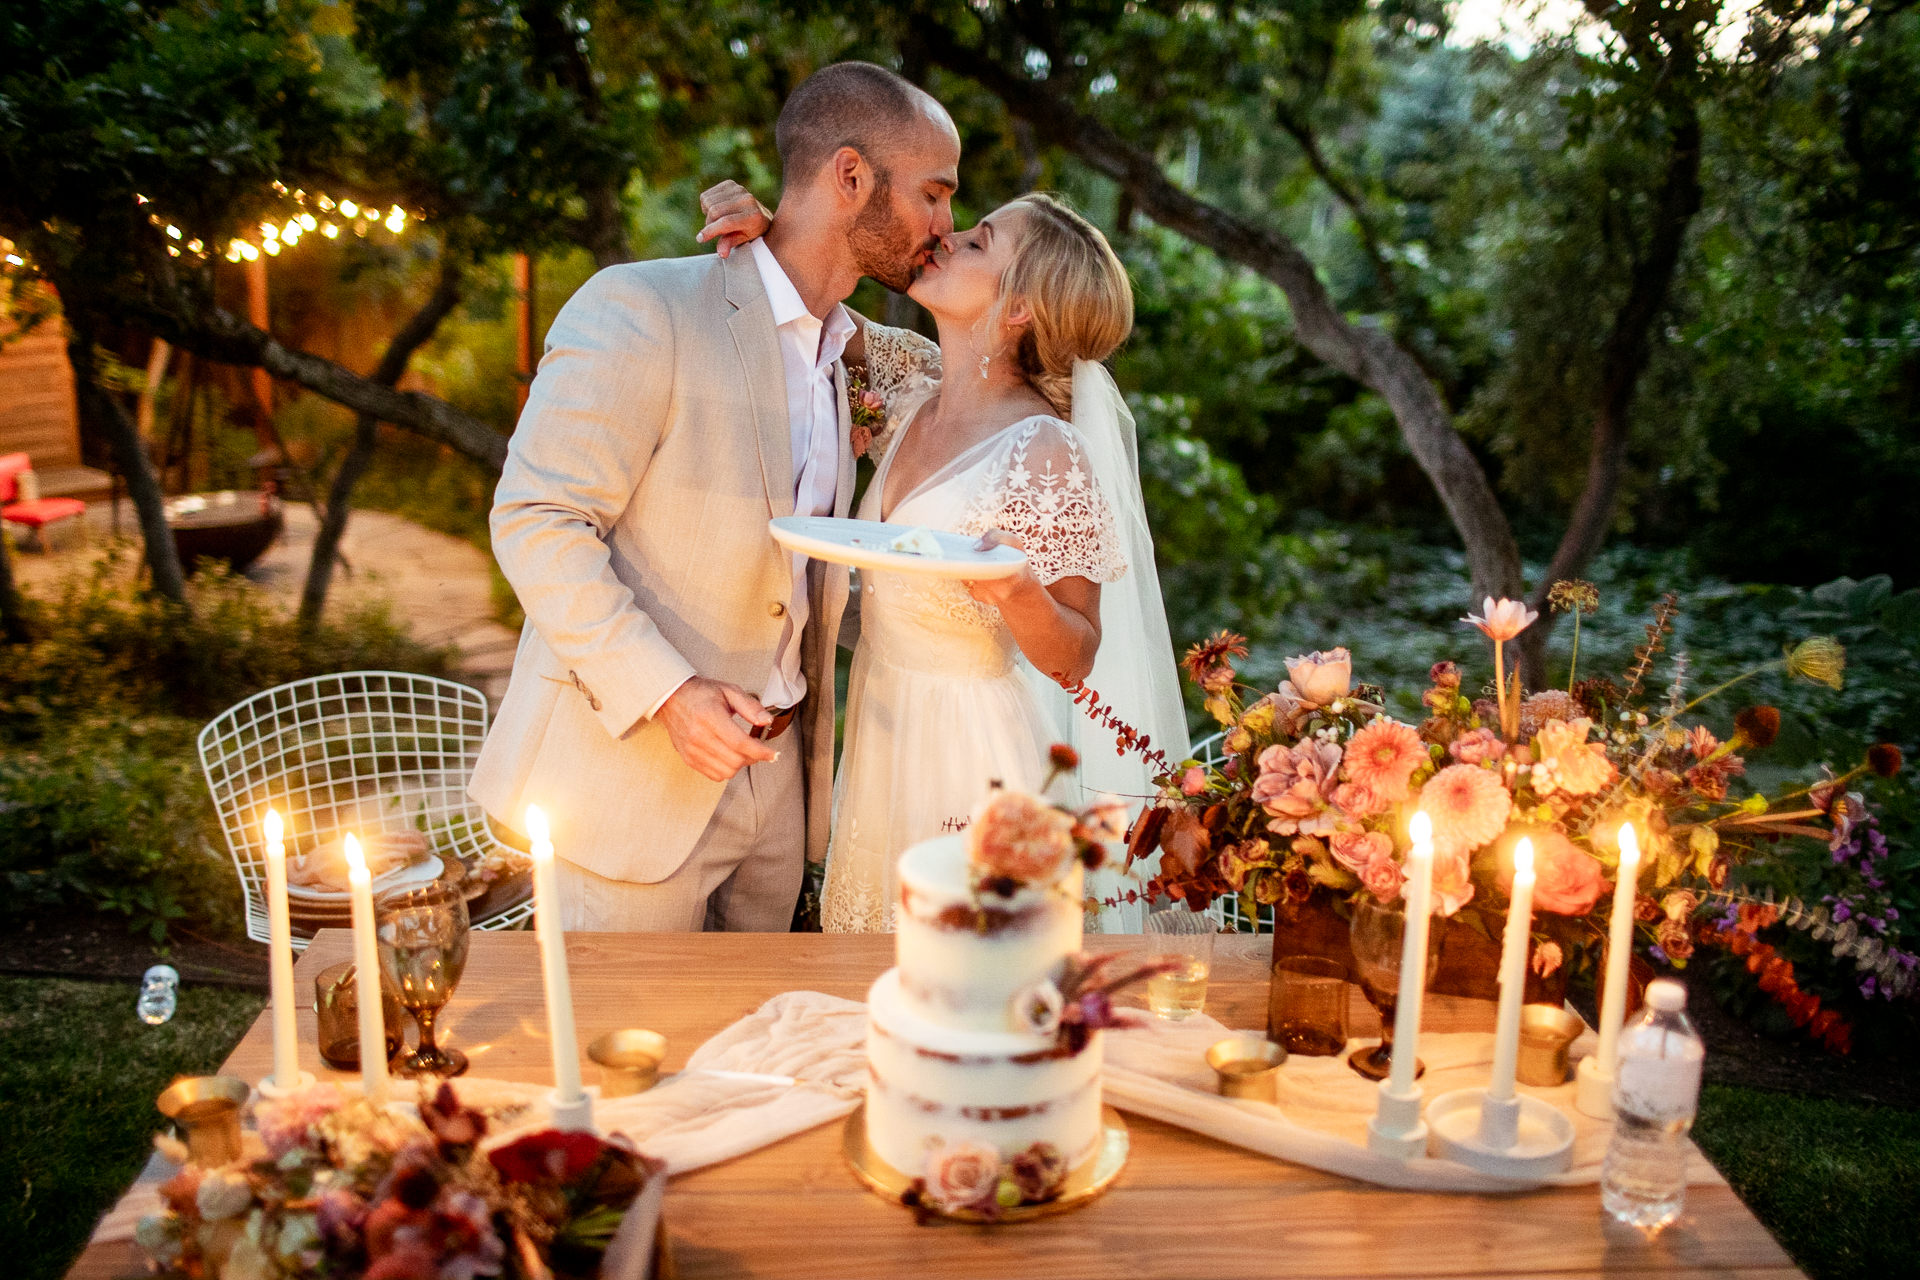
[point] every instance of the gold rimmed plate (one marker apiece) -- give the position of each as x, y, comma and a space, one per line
1095, 1174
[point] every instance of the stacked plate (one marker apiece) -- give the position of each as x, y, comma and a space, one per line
310, 909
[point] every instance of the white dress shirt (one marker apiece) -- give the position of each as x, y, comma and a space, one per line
809, 349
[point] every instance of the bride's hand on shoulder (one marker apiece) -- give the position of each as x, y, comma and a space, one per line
999, 592
734, 216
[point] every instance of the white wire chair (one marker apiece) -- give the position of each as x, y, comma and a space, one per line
361, 751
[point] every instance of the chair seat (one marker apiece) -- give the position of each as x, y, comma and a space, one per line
42, 512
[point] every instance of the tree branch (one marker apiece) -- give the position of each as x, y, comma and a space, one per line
213, 333
1625, 354
1370, 356
1302, 133
555, 45
419, 328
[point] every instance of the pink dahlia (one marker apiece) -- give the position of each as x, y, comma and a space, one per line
1295, 786
1383, 757
1468, 807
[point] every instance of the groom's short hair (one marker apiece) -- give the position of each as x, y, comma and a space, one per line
847, 104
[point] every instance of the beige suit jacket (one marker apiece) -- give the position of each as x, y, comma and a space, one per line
631, 519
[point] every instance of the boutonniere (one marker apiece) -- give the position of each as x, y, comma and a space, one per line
866, 410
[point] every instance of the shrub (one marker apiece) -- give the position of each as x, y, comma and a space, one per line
101, 799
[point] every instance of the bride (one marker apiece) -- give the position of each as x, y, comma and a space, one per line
1013, 432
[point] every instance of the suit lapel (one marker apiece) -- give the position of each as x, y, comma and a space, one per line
843, 489
758, 345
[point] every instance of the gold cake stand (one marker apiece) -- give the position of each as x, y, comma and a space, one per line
1095, 1174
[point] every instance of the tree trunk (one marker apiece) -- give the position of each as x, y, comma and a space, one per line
1368, 355
1624, 357
558, 47
393, 363
107, 416
13, 619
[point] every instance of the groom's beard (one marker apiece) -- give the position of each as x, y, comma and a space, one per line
883, 247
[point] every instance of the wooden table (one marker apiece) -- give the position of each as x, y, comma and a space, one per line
1185, 1206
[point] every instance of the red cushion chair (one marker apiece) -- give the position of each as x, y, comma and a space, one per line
38, 513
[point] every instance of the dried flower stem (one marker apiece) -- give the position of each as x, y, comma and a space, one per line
1125, 737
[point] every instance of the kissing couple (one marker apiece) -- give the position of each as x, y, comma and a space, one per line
672, 702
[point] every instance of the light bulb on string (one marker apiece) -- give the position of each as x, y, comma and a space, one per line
272, 247
349, 208
308, 221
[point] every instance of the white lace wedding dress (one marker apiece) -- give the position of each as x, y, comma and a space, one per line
941, 702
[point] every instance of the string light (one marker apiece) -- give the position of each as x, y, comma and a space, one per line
272, 237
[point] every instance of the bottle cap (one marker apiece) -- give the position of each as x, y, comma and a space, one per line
1666, 995
161, 973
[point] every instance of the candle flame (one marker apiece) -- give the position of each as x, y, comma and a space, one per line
1421, 829
356, 864
1629, 845
537, 825
272, 826
1523, 857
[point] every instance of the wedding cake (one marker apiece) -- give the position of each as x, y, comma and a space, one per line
983, 1050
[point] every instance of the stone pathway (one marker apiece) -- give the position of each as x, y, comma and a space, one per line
440, 587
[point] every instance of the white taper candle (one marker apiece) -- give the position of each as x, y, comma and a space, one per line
1413, 954
553, 961
1613, 994
286, 1038
1513, 974
366, 964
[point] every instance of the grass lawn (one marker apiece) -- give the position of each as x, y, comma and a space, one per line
78, 1076
1838, 1183
1833, 1180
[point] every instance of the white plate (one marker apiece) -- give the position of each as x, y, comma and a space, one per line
407, 877
864, 545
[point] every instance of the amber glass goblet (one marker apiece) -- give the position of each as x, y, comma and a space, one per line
1378, 935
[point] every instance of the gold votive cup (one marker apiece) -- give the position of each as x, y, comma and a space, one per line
206, 1110
1248, 1067
1546, 1033
629, 1061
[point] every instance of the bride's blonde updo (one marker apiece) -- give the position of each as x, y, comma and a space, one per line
1076, 291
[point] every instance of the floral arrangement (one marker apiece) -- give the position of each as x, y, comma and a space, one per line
1318, 784
341, 1188
970, 1178
866, 410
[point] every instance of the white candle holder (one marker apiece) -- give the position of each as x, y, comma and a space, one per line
1396, 1129
1518, 1137
268, 1089
1593, 1089
572, 1117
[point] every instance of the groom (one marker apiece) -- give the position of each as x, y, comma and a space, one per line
672, 700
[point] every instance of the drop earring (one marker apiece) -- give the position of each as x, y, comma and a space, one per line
984, 362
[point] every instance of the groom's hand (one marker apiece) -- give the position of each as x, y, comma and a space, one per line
700, 721
733, 215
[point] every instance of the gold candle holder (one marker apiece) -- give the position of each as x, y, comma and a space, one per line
629, 1061
1248, 1068
1547, 1031
206, 1109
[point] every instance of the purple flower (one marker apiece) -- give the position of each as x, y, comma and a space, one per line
1841, 912
1657, 954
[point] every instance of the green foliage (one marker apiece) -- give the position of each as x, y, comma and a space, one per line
99, 778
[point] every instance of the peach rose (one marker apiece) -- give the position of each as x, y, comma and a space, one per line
1022, 837
1567, 879
1382, 877
963, 1173
1321, 678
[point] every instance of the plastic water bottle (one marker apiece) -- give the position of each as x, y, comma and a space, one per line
1656, 1089
157, 994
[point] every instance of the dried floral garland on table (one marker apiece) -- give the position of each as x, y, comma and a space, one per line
340, 1188
1317, 785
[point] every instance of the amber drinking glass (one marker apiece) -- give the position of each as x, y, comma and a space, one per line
1377, 936
1307, 1006
336, 1008
423, 951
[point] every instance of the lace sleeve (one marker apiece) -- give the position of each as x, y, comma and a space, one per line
904, 369
1043, 492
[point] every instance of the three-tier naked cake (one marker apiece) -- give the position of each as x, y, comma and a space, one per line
983, 1050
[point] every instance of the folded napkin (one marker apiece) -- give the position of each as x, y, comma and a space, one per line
1320, 1121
